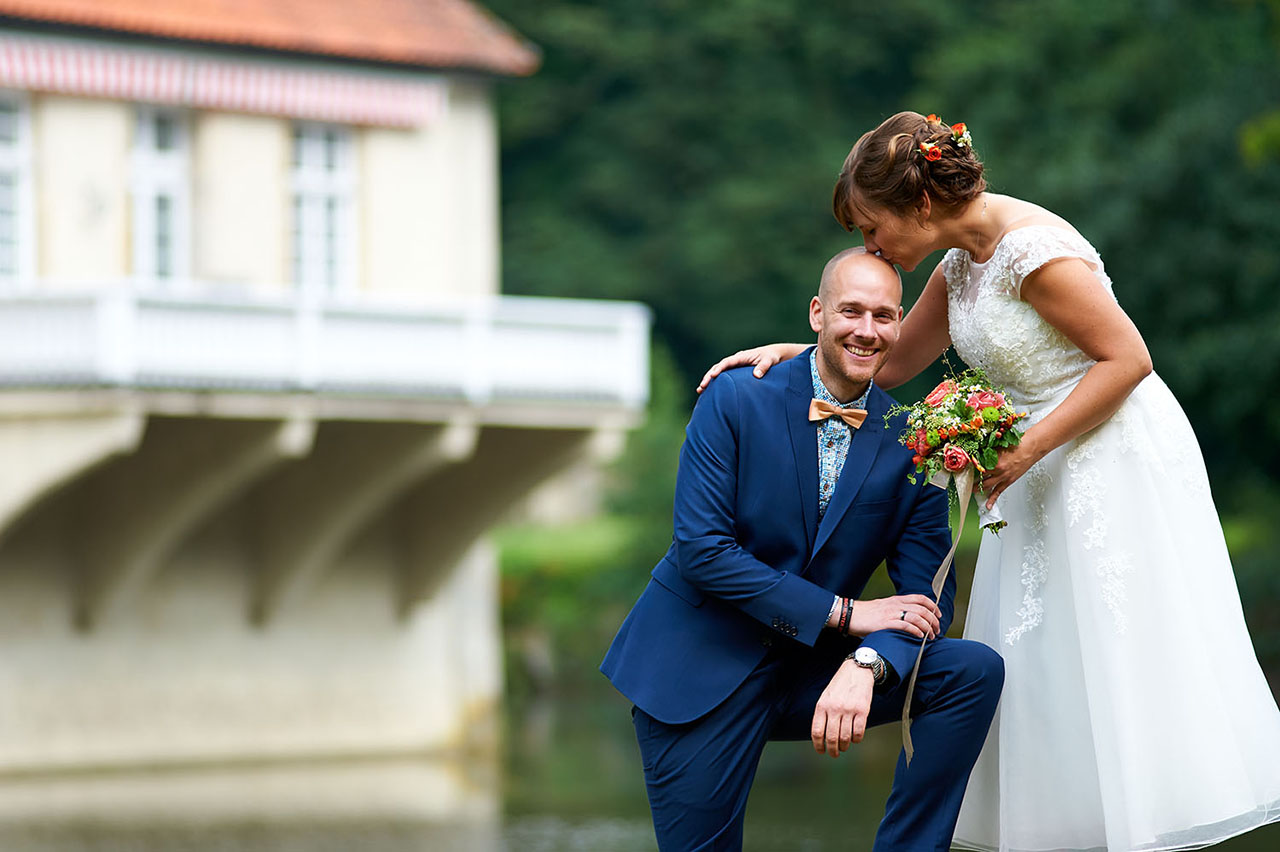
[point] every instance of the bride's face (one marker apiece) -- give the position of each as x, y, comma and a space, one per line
900, 239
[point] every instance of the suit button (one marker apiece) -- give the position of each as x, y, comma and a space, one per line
775, 624
767, 641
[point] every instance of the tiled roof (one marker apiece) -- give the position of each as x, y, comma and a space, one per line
424, 33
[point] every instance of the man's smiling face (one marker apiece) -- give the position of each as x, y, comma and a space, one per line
858, 316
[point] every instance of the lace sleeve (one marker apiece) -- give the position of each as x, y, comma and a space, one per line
952, 266
1034, 246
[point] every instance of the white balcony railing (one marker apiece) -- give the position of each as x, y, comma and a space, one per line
505, 348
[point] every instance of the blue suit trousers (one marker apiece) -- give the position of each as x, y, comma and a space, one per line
698, 774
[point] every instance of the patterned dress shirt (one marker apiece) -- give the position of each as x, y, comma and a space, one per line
833, 438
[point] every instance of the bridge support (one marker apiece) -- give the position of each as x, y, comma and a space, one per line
309, 514
149, 504
189, 589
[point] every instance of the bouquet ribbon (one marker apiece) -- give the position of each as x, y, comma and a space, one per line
964, 490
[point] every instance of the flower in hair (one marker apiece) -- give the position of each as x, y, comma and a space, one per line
960, 135
931, 151
932, 119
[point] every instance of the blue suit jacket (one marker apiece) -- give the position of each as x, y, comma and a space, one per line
750, 565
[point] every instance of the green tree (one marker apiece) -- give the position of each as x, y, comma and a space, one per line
682, 154
1126, 119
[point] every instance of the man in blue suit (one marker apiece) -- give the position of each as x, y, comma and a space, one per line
751, 627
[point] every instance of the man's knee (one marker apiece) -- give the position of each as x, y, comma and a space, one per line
979, 667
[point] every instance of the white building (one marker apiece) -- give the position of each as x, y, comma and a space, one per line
259, 396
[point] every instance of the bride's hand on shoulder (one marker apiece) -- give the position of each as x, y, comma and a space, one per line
764, 357
1014, 462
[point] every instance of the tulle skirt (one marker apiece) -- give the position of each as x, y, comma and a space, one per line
1134, 714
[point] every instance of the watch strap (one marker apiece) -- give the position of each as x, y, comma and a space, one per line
877, 666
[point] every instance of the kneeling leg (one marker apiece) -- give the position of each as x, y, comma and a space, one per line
956, 695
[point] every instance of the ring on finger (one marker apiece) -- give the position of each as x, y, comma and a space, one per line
904, 615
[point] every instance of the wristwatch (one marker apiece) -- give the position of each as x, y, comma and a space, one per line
867, 658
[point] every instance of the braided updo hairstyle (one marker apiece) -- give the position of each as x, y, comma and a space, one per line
888, 168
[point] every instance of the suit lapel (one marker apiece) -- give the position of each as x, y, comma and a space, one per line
863, 446
804, 441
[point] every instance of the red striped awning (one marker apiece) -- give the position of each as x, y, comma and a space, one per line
248, 85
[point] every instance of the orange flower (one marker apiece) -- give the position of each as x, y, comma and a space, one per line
941, 392
959, 129
931, 151
932, 119
979, 400
955, 459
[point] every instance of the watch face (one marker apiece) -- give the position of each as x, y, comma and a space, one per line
865, 656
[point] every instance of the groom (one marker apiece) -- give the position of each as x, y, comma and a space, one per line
751, 628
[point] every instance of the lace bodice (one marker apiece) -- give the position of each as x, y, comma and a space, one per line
992, 328
1112, 566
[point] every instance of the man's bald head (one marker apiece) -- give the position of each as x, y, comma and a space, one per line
859, 255
857, 315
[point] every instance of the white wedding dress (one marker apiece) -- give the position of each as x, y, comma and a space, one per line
1134, 714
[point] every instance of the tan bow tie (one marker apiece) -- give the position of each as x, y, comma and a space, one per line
819, 410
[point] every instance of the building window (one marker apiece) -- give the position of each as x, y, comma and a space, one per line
161, 210
323, 227
17, 229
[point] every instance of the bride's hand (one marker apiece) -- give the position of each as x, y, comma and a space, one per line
763, 357
1014, 462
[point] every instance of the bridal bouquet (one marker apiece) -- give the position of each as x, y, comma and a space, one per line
957, 429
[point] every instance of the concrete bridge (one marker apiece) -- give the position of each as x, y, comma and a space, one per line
246, 529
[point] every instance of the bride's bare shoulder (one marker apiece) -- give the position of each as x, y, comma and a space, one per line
1025, 214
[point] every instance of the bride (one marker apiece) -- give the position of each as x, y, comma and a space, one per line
1135, 715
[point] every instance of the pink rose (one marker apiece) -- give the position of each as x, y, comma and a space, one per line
954, 459
941, 392
979, 400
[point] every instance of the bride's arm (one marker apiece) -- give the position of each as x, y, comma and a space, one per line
924, 335
923, 338
763, 357
1067, 294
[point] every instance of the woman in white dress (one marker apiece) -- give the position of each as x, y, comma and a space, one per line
1134, 715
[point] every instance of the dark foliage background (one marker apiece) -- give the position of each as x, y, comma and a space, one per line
682, 153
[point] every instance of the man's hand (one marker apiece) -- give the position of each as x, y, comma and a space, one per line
916, 615
840, 717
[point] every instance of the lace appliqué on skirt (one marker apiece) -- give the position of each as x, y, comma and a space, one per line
1111, 570
1035, 563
